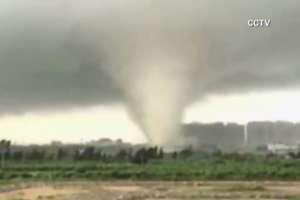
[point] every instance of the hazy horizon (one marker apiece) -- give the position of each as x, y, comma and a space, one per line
92, 123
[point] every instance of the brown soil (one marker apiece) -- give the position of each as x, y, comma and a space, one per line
155, 191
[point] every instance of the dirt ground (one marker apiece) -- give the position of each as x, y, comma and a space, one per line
151, 191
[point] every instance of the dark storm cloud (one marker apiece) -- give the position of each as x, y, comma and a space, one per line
57, 54
258, 59
39, 69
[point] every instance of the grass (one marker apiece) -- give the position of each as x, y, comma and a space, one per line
294, 198
173, 170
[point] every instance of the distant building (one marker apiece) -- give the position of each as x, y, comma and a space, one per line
282, 149
226, 137
233, 137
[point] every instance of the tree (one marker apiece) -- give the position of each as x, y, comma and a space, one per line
161, 153
152, 152
174, 155
17, 155
140, 157
87, 153
60, 154
185, 153
76, 155
37, 154
122, 155
4, 149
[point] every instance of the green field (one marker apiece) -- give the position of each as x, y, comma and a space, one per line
196, 176
213, 168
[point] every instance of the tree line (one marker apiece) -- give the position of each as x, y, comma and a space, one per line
47, 153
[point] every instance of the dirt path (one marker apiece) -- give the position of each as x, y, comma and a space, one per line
155, 190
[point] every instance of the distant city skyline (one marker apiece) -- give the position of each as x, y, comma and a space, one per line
84, 124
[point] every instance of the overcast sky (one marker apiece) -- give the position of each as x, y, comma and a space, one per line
74, 66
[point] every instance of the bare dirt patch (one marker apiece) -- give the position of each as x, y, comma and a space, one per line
40, 192
129, 190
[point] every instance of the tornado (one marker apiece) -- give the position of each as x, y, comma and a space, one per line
156, 96
156, 89
155, 57
152, 61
